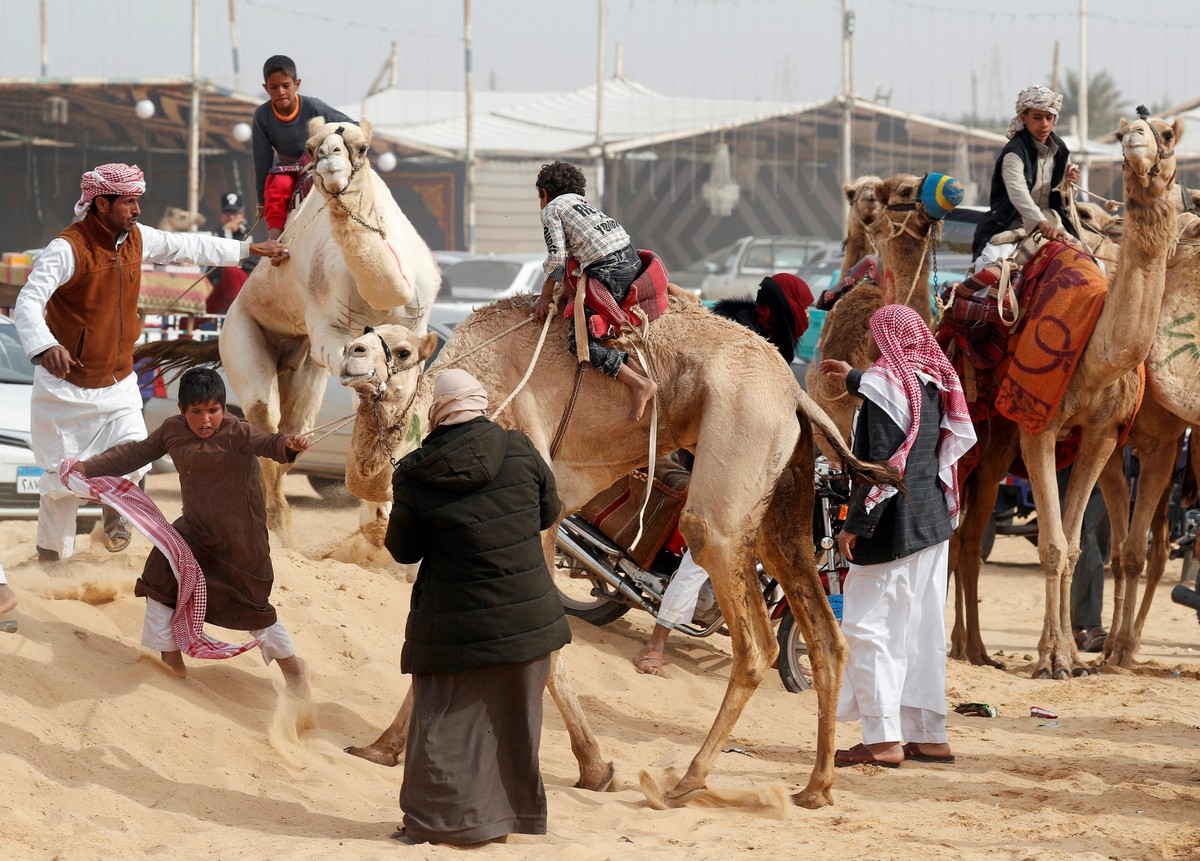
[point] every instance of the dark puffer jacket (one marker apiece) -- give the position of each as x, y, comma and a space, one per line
470, 504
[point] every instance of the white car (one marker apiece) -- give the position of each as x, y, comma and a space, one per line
19, 473
325, 463
488, 277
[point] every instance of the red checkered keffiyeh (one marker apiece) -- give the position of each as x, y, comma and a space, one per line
113, 178
187, 622
910, 357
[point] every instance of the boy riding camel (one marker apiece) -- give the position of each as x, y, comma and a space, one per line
575, 228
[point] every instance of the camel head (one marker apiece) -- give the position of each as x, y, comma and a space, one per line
337, 153
385, 360
1098, 221
864, 205
176, 220
913, 204
1148, 146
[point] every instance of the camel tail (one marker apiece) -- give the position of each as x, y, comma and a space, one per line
178, 355
857, 470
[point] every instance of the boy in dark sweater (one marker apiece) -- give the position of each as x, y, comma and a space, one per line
280, 131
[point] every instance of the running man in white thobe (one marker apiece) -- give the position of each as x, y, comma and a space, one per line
85, 394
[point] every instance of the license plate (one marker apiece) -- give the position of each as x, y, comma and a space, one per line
28, 478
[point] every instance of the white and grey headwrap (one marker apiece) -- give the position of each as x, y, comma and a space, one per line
1037, 97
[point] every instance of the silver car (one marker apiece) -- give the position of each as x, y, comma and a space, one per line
19, 473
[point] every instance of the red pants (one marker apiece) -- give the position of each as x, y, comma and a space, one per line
278, 189
225, 288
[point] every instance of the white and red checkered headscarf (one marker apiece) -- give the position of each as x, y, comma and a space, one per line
910, 357
113, 178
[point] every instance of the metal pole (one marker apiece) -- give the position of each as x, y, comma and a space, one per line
600, 39
847, 102
194, 122
1083, 95
470, 149
233, 41
45, 44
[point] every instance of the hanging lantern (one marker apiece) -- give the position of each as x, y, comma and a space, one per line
721, 192
144, 109
241, 132
386, 161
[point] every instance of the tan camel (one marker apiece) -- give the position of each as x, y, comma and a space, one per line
1171, 404
1102, 393
902, 237
752, 435
998, 447
865, 208
356, 261
176, 220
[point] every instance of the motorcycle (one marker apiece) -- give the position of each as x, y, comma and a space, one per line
599, 582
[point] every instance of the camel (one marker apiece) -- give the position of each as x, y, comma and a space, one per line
751, 485
1103, 391
1170, 405
998, 447
176, 220
902, 232
356, 261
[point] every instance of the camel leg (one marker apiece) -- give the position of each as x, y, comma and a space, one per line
595, 773
1115, 488
1156, 563
1038, 452
787, 553
253, 371
997, 450
389, 747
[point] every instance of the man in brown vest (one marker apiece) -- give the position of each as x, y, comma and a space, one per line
77, 319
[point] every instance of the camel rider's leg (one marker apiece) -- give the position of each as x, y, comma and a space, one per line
641, 390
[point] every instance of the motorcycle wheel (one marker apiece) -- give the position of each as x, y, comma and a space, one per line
794, 668
582, 596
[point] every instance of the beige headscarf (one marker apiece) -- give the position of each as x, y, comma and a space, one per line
457, 397
1038, 97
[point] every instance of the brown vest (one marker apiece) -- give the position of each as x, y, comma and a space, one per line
94, 314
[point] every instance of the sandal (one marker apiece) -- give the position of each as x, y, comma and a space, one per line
1094, 639
650, 663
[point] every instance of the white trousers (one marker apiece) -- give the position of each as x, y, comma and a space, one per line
156, 634
69, 421
3, 579
679, 601
893, 621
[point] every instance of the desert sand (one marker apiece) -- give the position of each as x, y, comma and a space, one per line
104, 755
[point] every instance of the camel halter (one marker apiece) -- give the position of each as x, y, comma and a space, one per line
857, 215
1144, 116
336, 196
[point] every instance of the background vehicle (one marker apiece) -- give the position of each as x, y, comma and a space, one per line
19, 472
325, 463
736, 270
486, 278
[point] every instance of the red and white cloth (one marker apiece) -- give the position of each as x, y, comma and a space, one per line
115, 178
911, 357
187, 623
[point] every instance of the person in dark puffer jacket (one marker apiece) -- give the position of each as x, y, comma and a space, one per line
470, 504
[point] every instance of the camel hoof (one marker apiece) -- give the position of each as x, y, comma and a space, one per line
373, 754
813, 799
1081, 671
1062, 674
1041, 673
601, 784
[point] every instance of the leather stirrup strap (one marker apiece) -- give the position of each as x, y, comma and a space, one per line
581, 330
567, 413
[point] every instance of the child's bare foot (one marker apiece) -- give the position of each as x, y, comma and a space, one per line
639, 397
295, 673
8, 598
174, 660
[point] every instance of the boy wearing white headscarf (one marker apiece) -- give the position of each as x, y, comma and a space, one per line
1031, 167
470, 505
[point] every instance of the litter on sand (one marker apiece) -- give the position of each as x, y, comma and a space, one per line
1049, 724
976, 710
740, 750
8, 626
1039, 712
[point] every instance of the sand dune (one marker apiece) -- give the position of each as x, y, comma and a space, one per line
106, 755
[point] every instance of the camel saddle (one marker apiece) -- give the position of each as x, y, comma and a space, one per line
866, 271
615, 511
605, 318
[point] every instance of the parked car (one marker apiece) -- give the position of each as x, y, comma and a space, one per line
958, 229
324, 465
486, 278
737, 269
19, 472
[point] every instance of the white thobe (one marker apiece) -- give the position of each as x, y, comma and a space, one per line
892, 618
157, 634
679, 601
72, 421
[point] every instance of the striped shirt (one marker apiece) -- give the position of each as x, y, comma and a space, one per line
575, 228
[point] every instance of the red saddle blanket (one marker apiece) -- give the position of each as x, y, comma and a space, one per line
1062, 292
606, 318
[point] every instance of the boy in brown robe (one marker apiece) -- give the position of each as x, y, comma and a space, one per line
224, 521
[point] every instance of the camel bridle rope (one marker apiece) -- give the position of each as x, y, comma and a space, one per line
336, 196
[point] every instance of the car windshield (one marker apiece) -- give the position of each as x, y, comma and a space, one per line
489, 274
14, 367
